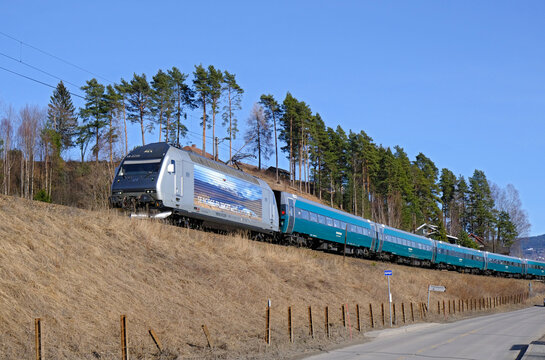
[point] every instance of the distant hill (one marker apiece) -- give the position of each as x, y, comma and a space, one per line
532, 247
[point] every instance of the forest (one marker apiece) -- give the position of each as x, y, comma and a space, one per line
343, 168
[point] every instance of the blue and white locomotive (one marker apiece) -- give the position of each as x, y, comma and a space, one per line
163, 181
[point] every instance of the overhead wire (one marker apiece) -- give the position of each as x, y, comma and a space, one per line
191, 133
54, 56
40, 70
38, 81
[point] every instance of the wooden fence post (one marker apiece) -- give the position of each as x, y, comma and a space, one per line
394, 313
403, 311
438, 308
124, 339
348, 319
371, 315
207, 334
310, 327
38, 339
382, 305
326, 323
290, 328
344, 316
268, 324
444, 310
155, 340
358, 316
412, 312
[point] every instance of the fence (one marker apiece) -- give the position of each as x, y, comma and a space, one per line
338, 323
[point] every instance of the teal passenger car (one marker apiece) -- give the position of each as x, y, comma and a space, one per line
456, 255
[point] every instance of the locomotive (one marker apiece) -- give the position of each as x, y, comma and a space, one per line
162, 181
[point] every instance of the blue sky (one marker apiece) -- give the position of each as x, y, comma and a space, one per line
461, 81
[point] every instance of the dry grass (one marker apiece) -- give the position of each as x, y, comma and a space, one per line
80, 270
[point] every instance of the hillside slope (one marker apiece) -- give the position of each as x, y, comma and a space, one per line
80, 270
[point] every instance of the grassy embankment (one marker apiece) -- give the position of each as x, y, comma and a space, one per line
80, 270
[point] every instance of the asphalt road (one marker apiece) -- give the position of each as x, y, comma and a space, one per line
494, 337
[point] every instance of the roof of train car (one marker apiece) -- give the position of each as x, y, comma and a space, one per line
325, 207
407, 234
449, 245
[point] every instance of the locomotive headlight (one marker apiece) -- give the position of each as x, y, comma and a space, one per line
151, 191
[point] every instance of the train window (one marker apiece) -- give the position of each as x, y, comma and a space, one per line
360, 230
298, 213
329, 221
321, 219
313, 217
342, 224
305, 214
336, 223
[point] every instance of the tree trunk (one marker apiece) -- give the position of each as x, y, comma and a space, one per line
292, 170
214, 127
203, 126
258, 144
331, 188
125, 125
230, 127
275, 145
97, 146
32, 178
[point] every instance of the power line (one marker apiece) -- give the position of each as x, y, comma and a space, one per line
54, 56
40, 70
38, 81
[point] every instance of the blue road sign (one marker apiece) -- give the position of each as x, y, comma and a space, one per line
388, 272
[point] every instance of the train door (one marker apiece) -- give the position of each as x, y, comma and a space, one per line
373, 237
291, 215
434, 252
179, 180
380, 235
272, 210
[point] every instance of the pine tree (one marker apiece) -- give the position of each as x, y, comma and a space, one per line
162, 101
61, 115
287, 133
122, 90
139, 103
234, 96
215, 84
94, 112
480, 205
506, 231
426, 173
183, 99
113, 103
202, 89
447, 184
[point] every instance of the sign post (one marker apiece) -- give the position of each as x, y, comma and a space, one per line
388, 273
438, 288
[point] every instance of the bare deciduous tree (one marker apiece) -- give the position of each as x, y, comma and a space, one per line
508, 200
259, 134
6, 134
31, 119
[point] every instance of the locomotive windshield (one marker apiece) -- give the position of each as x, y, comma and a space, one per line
133, 168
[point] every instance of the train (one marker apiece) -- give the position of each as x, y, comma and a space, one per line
162, 181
